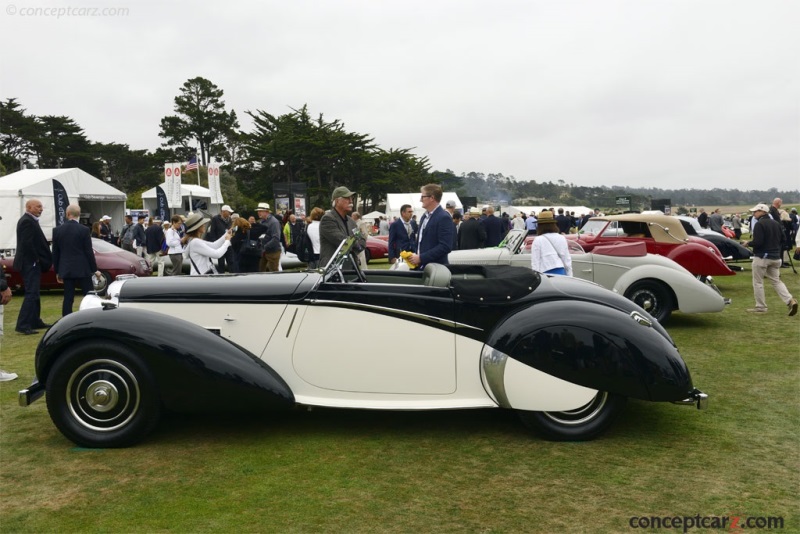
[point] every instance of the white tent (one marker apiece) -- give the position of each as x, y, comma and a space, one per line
189, 193
95, 197
374, 215
394, 201
513, 210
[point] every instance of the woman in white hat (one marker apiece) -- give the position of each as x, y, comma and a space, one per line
199, 251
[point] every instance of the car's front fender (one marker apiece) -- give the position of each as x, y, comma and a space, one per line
597, 347
195, 369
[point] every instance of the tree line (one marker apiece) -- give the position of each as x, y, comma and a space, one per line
294, 147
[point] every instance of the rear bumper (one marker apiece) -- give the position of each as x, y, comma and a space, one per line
697, 398
31, 394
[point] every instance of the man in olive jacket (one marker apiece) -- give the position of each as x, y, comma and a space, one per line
336, 225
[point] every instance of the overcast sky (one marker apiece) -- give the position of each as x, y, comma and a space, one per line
671, 94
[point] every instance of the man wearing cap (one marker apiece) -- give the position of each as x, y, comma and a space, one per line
105, 228
436, 229
73, 257
153, 240
270, 237
767, 253
472, 234
221, 223
336, 225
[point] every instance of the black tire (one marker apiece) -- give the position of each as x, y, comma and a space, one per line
654, 297
582, 424
367, 255
99, 394
105, 282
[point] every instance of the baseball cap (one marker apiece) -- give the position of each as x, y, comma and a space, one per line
226, 208
450, 204
760, 207
105, 218
341, 192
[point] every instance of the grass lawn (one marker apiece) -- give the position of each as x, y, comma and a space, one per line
456, 471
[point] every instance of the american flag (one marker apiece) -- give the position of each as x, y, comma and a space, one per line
191, 164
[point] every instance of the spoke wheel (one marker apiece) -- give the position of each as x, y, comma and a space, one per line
581, 424
100, 394
653, 297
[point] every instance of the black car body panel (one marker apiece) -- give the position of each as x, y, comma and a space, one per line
196, 370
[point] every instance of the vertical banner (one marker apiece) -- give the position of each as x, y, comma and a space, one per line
299, 198
300, 204
213, 184
61, 202
162, 206
172, 180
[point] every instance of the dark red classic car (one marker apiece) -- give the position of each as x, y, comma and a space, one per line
376, 249
663, 235
111, 262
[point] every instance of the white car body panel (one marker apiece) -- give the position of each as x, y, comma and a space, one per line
530, 389
616, 273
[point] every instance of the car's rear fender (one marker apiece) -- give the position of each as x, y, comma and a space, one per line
597, 347
701, 258
195, 369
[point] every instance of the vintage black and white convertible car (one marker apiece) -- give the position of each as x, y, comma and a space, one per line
563, 353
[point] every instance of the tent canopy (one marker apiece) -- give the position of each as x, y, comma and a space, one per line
513, 210
95, 197
374, 215
189, 194
394, 201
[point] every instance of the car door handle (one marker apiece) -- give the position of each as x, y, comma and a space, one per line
586, 271
229, 318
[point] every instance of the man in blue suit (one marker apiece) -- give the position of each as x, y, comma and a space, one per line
401, 235
32, 258
436, 228
73, 257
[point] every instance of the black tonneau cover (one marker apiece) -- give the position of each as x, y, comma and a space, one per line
492, 283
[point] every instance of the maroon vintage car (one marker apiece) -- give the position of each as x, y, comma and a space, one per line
376, 249
663, 235
111, 262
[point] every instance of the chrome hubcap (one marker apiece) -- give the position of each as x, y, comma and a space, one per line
103, 395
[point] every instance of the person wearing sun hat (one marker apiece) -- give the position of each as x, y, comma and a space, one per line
549, 252
105, 228
200, 252
767, 259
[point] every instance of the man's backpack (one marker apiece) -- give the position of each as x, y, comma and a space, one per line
304, 249
127, 235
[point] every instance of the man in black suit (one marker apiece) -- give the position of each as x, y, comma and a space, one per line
436, 229
401, 234
73, 257
472, 235
495, 229
563, 222
32, 258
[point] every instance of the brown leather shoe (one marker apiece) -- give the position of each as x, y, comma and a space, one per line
792, 307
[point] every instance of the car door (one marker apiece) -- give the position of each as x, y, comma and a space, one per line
378, 338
